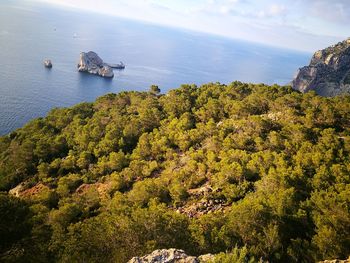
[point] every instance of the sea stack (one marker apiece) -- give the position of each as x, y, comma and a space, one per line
328, 72
47, 63
90, 62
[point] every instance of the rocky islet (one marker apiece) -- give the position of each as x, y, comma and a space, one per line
90, 62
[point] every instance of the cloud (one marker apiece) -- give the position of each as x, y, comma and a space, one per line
276, 10
4, 32
217, 7
243, 9
336, 11
296, 24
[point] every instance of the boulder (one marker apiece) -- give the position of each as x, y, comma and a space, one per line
90, 62
328, 72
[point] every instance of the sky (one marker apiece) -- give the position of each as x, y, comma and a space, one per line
306, 25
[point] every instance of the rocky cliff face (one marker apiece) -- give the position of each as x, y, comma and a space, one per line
171, 256
90, 62
328, 73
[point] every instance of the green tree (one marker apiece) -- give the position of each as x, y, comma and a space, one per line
15, 227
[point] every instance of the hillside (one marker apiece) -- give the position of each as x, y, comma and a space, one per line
259, 172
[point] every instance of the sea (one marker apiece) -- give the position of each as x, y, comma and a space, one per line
153, 54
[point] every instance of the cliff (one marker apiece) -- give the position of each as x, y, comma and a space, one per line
328, 72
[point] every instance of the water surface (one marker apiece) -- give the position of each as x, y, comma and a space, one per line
168, 57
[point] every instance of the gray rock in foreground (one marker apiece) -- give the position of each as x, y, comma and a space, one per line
90, 62
328, 73
170, 256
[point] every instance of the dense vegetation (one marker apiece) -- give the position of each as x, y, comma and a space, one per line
256, 171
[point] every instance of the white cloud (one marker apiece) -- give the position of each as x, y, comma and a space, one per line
334, 11
277, 9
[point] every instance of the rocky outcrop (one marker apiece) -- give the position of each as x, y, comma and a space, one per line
336, 261
90, 62
17, 190
202, 207
171, 256
101, 189
201, 201
24, 190
328, 73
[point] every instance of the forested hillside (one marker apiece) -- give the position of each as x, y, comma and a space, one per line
259, 169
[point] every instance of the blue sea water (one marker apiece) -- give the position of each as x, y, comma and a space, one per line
168, 57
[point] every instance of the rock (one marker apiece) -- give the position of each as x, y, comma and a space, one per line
47, 63
17, 190
170, 256
90, 62
106, 71
35, 191
24, 190
336, 261
206, 258
101, 189
117, 66
328, 72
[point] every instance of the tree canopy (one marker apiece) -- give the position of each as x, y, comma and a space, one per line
245, 171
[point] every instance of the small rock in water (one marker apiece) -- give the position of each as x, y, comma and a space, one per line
47, 63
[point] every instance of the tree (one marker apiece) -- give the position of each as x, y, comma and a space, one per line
15, 226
